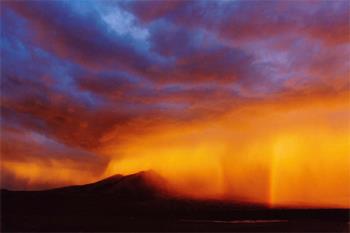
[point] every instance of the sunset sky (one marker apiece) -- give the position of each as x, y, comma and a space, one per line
240, 100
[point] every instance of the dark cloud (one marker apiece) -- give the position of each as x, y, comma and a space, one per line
63, 98
57, 115
82, 38
111, 85
85, 39
236, 20
149, 11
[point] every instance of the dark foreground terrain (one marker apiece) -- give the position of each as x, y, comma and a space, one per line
132, 203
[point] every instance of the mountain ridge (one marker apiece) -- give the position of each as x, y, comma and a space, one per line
142, 185
138, 203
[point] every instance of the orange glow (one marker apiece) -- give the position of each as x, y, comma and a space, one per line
43, 175
188, 168
311, 169
282, 155
287, 153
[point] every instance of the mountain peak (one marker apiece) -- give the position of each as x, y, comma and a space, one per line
138, 186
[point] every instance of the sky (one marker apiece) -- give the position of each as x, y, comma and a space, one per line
240, 100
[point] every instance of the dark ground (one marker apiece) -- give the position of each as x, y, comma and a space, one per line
131, 204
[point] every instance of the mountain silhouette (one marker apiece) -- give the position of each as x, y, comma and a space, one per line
144, 202
143, 185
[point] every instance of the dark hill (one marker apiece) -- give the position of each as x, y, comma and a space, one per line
144, 202
139, 186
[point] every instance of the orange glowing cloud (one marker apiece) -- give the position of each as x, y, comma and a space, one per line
267, 153
43, 175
